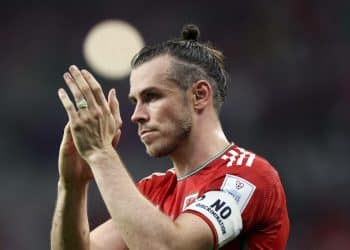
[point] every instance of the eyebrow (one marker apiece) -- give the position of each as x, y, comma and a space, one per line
149, 89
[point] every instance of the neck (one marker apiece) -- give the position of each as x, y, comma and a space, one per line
205, 141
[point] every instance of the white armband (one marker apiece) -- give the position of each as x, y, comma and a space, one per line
221, 210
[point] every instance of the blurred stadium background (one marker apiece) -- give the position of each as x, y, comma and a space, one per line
288, 100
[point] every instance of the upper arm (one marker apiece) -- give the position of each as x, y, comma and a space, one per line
210, 222
221, 214
106, 237
195, 233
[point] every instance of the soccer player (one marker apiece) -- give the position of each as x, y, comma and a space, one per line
216, 194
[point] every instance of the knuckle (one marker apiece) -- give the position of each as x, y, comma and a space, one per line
87, 76
78, 96
84, 120
84, 88
69, 106
75, 73
96, 113
96, 89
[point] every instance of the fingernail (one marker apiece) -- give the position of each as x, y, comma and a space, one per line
73, 67
60, 92
67, 75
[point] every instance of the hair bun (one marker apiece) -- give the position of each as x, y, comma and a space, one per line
190, 32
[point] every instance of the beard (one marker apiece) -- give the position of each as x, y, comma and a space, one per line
177, 131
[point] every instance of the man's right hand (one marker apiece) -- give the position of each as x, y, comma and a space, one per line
73, 170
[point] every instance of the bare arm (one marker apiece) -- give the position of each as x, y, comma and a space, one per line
107, 237
70, 227
142, 225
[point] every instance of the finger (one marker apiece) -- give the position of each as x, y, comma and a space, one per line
96, 89
68, 106
83, 86
78, 96
113, 104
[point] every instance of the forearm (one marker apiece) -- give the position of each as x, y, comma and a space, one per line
141, 224
70, 227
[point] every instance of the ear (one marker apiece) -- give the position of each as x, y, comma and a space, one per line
201, 94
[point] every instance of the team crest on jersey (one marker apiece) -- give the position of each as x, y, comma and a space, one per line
239, 185
241, 189
189, 199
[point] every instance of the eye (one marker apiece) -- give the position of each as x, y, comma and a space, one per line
150, 96
133, 101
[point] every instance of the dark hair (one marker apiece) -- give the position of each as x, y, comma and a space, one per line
195, 61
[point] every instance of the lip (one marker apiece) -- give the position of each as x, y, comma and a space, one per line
145, 132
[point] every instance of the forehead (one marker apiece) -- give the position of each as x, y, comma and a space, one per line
154, 73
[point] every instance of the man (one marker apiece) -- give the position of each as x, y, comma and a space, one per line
217, 195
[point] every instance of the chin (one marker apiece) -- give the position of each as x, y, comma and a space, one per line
168, 143
156, 152
159, 149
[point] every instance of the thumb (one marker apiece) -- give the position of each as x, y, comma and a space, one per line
114, 107
67, 144
66, 133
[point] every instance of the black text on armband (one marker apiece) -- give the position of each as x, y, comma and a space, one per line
219, 211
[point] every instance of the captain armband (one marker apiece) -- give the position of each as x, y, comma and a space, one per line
220, 210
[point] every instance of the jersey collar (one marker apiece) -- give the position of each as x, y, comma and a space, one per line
200, 167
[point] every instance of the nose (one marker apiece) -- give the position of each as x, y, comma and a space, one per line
140, 114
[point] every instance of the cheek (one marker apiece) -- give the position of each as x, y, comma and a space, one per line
168, 112
161, 113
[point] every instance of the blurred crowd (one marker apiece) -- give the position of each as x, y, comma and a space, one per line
288, 100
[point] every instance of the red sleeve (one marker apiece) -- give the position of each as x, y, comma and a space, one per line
266, 211
144, 185
155, 186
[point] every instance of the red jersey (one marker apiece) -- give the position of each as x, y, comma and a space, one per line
251, 182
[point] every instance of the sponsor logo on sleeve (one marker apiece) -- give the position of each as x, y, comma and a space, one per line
241, 190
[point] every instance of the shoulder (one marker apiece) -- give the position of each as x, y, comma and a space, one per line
249, 178
237, 166
249, 165
156, 180
241, 177
159, 175
256, 186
